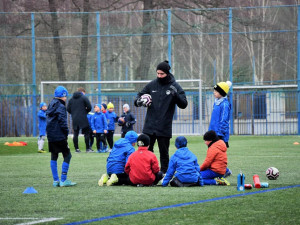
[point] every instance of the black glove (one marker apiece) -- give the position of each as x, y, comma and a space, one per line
173, 90
139, 102
128, 124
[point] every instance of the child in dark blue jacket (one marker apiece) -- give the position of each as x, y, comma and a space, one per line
42, 127
99, 127
57, 133
117, 159
186, 166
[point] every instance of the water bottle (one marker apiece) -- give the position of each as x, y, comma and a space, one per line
241, 182
256, 181
264, 184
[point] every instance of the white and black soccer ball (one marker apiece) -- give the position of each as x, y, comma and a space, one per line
272, 173
147, 100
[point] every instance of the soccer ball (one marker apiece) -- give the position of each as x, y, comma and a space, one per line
272, 173
147, 100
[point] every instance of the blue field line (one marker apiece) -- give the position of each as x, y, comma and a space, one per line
179, 205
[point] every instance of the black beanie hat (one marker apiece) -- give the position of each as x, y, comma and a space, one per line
164, 66
143, 140
210, 136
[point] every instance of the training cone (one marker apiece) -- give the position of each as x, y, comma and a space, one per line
296, 143
30, 190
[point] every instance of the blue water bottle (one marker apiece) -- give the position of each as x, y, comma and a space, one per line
241, 182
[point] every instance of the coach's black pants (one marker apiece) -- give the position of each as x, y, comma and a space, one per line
163, 145
86, 132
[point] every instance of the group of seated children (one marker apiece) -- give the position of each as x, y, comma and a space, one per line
102, 124
125, 166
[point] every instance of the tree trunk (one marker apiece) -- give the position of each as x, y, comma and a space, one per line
56, 41
144, 65
84, 41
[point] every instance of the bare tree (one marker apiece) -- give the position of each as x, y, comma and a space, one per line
56, 41
144, 65
84, 41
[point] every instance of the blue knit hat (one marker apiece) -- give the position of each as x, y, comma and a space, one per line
42, 104
104, 105
99, 105
60, 91
131, 136
180, 142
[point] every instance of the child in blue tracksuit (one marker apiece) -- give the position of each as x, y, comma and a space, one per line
92, 135
42, 127
221, 111
99, 127
57, 134
112, 118
186, 166
117, 160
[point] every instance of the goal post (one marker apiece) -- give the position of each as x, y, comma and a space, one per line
187, 121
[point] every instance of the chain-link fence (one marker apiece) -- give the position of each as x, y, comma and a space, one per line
252, 45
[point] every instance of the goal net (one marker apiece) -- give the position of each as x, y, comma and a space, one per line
188, 121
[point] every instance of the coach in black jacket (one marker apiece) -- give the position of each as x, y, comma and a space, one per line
166, 93
79, 106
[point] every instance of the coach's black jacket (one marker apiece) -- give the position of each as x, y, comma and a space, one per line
160, 114
79, 106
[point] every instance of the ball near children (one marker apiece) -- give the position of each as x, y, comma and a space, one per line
272, 173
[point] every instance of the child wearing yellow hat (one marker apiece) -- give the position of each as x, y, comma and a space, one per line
112, 118
220, 115
221, 111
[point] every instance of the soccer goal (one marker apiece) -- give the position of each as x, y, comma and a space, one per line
189, 121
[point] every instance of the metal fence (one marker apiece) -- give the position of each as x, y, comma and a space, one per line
259, 112
248, 46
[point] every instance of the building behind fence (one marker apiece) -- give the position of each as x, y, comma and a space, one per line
248, 46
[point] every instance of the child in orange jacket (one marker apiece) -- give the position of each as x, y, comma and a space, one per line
142, 165
215, 163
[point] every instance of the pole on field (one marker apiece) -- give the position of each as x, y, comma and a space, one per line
298, 69
33, 76
98, 56
230, 67
169, 38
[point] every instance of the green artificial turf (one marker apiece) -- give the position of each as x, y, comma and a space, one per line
22, 167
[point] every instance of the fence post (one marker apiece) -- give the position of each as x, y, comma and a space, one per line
33, 76
230, 68
169, 38
298, 69
98, 56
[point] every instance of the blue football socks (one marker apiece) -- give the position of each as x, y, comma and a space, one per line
64, 171
53, 165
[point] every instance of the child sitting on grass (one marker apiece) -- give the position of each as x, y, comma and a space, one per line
215, 163
142, 166
117, 159
57, 133
186, 166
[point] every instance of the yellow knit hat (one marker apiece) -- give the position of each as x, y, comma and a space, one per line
110, 105
223, 87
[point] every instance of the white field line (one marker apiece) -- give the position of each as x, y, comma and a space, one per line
36, 220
